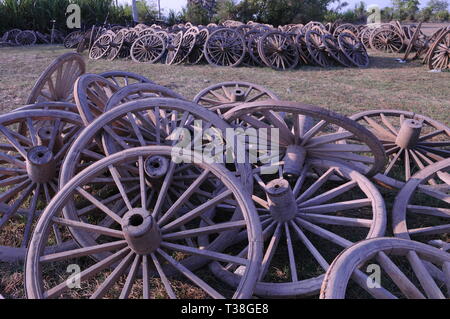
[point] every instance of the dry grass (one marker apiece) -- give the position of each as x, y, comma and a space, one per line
386, 84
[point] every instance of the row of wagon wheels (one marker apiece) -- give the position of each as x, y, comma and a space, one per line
248, 45
92, 167
16, 37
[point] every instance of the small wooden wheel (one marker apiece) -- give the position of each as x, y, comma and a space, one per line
56, 82
12, 34
123, 78
148, 49
317, 49
278, 51
26, 37
320, 132
141, 239
184, 49
140, 91
223, 96
412, 142
405, 271
100, 47
225, 47
115, 46
92, 93
386, 40
335, 51
345, 28
299, 216
353, 49
422, 208
34, 143
73, 39
439, 53
197, 53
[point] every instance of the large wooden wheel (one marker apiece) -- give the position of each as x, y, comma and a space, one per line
197, 52
56, 82
123, 78
145, 247
403, 271
223, 96
253, 37
353, 49
92, 93
148, 49
305, 56
440, 52
140, 91
314, 131
317, 49
185, 48
225, 47
412, 142
278, 51
332, 45
34, 143
115, 46
311, 219
26, 37
100, 47
173, 46
422, 208
386, 40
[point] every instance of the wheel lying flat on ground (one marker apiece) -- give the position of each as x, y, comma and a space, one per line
56, 82
123, 78
35, 142
409, 138
353, 49
404, 271
223, 96
225, 47
422, 208
143, 241
148, 49
319, 132
312, 217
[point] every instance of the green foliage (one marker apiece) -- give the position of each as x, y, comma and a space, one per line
405, 9
226, 10
196, 14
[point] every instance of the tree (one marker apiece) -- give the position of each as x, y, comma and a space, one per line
196, 14
226, 10
405, 9
437, 5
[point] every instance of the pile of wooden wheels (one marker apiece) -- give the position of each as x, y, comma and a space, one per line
15, 37
144, 194
434, 50
231, 44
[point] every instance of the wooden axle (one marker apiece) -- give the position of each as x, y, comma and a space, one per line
41, 166
156, 168
293, 161
281, 200
237, 95
45, 135
141, 232
409, 133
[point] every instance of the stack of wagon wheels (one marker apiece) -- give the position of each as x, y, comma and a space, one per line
17, 37
147, 192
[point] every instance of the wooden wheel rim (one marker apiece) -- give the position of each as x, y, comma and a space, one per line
123, 78
353, 49
225, 47
278, 51
33, 266
148, 49
335, 51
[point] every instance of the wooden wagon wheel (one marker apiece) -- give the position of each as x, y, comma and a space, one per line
317, 49
26, 37
223, 96
148, 49
115, 46
34, 143
305, 56
143, 240
43, 38
92, 93
12, 34
173, 45
56, 82
426, 52
386, 40
403, 271
364, 36
123, 78
278, 51
62, 106
100, 47
332, 45
73, 39
225, 47
312, 24
353, 49
422, 208
412, 142
300, 219
439, 58
345, 28
140, 91
252, 38
184, 49
314, 131
197, 53
414, 42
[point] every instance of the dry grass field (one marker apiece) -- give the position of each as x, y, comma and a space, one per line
386, 84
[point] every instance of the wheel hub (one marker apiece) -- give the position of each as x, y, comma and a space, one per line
293, 161
141, 231
40, 163
409, 133
156, 168
281, 200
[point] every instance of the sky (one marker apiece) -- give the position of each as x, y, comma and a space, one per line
178, 4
